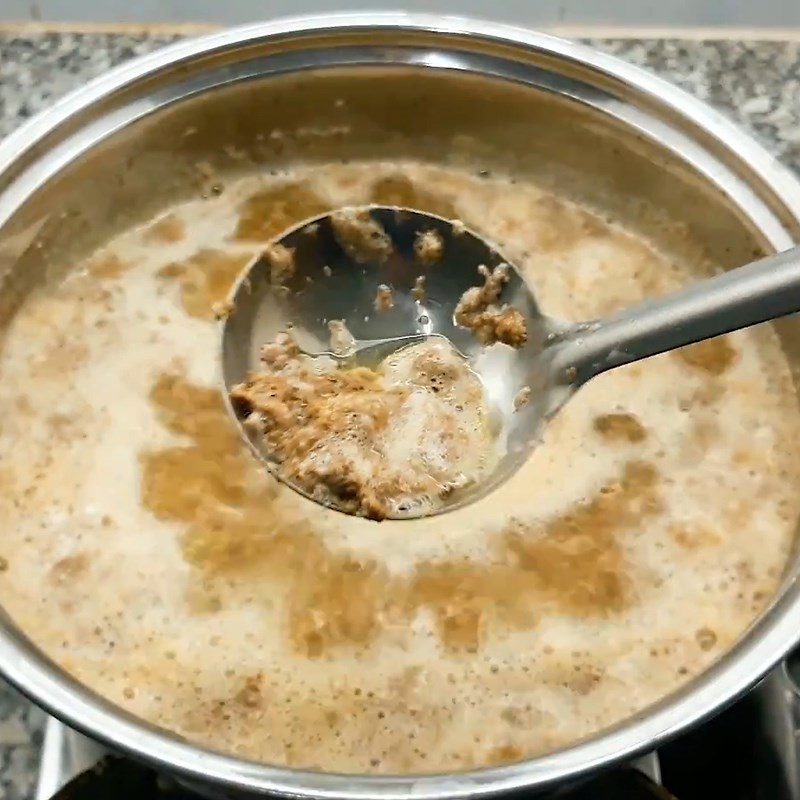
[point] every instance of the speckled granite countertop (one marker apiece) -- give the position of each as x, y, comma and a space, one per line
756, 83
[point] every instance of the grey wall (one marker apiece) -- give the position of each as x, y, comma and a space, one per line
610, 13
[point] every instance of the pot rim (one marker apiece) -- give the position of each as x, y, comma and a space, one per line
759, 649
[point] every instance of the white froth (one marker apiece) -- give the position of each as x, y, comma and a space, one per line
105, 588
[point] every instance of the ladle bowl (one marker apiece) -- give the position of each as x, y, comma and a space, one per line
331, 281
330, 284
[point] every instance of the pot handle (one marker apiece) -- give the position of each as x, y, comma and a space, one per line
625, 783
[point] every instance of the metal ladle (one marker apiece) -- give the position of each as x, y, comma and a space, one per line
557, 359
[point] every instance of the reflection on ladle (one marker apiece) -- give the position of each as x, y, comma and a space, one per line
366, 351
332, 281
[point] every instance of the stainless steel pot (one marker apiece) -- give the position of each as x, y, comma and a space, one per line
428, 87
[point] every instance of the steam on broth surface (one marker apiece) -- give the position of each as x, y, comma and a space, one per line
150, 555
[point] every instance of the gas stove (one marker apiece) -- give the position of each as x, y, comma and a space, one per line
748, 752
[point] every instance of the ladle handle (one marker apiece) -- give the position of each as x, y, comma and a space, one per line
764, 290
